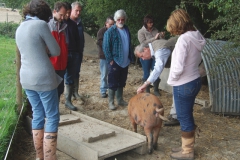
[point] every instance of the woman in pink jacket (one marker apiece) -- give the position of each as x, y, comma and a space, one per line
185, 77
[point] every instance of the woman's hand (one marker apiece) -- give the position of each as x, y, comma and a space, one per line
111, 63
157, 36
162, 35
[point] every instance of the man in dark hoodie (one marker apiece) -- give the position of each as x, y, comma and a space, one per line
73, 41
75, 16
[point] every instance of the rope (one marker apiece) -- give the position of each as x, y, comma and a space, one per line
13, 133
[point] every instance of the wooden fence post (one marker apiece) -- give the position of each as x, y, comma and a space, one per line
19, 96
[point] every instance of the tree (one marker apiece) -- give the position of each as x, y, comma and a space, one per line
135, 10
14, 4
228, 20
200, 13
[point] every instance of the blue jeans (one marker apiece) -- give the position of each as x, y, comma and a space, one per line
147, 66
184, 97
79, 58
104, 74
44, 104
71, 68
117, 76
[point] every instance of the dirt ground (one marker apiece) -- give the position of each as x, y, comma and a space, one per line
219, 138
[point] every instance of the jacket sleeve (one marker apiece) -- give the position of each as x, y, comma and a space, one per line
100, 37
181, 55
107, 46
77, 37
142, 37
51, 43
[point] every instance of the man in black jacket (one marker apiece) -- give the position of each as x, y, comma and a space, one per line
73, 41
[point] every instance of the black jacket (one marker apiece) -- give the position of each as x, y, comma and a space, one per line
72, 36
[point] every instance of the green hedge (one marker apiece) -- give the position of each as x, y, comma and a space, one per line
8, 29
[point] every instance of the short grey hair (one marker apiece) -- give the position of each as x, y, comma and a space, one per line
139, 48
76, 4
120, 13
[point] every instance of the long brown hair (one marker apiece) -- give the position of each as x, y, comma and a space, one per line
37, 8
179, 22
146, 19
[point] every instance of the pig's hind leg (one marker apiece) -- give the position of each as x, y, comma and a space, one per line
156, 131
149, 135
134, 124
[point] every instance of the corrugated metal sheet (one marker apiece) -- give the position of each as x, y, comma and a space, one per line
223, 75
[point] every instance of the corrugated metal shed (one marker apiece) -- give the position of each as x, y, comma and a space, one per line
223, 73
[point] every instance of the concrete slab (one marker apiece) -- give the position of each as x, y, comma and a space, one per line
93, 139
164, 77
204, 103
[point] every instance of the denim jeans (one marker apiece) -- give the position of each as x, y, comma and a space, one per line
79, 58
44, 104
184, 97
104, 74
117, 76
71, 68
147, 66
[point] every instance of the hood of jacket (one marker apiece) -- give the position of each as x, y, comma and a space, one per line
56, 26
196, 38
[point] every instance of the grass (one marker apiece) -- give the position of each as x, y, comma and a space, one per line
8, 114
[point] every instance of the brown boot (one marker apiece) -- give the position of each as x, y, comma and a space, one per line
176, 149
38, 143
50, 146
196, 131
187, 151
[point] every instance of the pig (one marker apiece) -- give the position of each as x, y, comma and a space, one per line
146, 110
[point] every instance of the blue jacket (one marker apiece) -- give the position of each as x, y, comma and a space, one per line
112, 45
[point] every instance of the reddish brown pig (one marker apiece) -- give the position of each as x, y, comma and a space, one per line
146, 110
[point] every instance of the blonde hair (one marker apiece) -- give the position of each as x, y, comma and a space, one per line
179, 22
